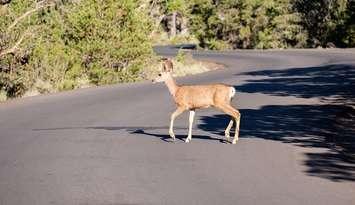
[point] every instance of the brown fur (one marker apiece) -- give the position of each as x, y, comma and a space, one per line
202, 96
192, 97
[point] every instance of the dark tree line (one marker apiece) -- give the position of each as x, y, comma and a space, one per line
219, 24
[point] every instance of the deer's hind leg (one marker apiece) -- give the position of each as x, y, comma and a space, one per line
228, 128
236, 137
228, 109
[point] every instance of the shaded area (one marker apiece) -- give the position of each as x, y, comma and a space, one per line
167, 138
301, 125
330, 165
330, 125
333, 83
109, 128
141, 130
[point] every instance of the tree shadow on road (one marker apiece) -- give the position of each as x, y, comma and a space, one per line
329, 125
302, 125
332, 83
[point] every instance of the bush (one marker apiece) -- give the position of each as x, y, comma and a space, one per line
246, 24
215, 44
67, 41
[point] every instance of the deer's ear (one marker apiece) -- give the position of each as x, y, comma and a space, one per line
164, 67
168, 65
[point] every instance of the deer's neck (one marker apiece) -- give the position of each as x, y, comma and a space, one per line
171, 84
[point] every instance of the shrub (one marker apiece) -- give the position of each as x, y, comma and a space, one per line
67, 41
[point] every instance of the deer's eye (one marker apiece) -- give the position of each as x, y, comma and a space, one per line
159, 74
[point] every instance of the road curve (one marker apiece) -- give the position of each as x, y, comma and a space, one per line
109, 145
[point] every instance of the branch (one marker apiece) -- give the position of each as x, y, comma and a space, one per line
15, 47
39, 5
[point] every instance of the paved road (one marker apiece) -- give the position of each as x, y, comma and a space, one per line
109, 145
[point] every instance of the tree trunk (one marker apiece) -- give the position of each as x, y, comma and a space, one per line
173, 25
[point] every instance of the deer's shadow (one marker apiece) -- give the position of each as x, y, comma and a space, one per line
154, 131
167, 138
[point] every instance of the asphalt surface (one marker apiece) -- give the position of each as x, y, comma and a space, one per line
110, 145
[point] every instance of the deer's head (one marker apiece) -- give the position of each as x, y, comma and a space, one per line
165, 73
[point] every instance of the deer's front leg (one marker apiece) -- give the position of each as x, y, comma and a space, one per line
191, 120
177, 112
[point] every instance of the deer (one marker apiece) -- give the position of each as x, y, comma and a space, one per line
193, 97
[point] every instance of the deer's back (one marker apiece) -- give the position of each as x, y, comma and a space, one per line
202, 96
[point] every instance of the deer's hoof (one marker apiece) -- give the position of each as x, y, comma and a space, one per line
187, 140
234, 142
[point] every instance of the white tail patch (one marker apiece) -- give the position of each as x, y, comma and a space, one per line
231, 92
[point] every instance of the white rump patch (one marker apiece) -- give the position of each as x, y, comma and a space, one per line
231, 92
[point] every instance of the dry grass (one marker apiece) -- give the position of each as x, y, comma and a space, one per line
3, 96
184, 65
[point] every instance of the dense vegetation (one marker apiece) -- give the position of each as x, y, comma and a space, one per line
273, 23
62, 45
50, 45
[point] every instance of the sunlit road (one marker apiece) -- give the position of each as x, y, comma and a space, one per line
109, 145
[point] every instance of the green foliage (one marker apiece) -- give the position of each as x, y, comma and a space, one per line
51, 45
181, 56
246, 24
67, 41
215, 44
176, 5
326, 20
111, 37
267, 23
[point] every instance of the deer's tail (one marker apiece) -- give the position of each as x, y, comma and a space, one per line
232, 93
